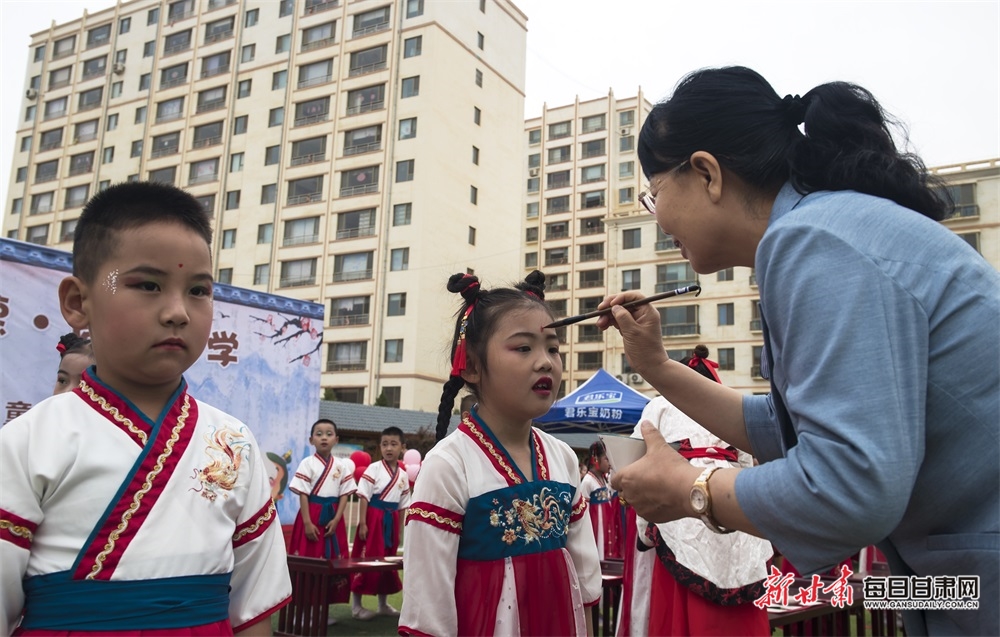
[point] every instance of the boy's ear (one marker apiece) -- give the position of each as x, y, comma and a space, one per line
72, 303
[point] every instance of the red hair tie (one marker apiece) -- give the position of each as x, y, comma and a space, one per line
60, 348
458, 361
710, 365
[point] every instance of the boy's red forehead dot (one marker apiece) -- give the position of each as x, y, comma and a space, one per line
180, 265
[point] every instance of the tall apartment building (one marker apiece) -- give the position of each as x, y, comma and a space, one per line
353, 153
586, 230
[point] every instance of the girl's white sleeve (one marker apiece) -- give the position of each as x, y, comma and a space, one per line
20, 515
433, 529
581, 544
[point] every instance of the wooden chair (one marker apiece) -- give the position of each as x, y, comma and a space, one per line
308, 612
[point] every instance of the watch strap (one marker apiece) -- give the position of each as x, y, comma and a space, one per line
707, 516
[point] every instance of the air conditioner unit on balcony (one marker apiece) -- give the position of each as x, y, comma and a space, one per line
625, 130
634, 379
532, 172
119, 68
621, 377
31, 93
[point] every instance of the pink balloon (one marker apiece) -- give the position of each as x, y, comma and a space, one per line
412, 470
411, 455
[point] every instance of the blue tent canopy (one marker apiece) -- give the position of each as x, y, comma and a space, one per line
602, 404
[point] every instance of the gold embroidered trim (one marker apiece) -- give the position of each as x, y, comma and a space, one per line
430, 515
579, 508
542, 473
146, 486
263, 519
17, 529
112, 411
486, 444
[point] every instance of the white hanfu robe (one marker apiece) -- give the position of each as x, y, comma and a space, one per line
488, 552
114, 522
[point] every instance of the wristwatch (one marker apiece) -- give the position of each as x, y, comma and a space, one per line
701, 501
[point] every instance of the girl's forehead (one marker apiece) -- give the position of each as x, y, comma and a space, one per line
515, 320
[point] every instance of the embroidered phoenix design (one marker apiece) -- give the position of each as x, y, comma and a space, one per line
226, 449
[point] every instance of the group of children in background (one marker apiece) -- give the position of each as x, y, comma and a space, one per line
500, 516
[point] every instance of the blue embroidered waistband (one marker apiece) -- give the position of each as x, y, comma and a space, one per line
382, 505
56, 602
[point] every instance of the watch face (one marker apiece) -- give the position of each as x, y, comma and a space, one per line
698, 501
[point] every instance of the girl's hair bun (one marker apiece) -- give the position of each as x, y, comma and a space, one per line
465, 284
534, 283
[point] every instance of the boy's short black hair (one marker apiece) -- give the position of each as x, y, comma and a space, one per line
327, 421
392, 431
131, 205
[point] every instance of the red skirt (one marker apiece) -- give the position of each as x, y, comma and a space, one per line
373, 547
336, 546
675, 610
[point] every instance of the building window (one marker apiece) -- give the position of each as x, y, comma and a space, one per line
312, 111
140, 117
626, 144
276, 117
145, 80
345, 357
236, 162
626, 195
674, 275
272, 155
77, 196
95, 67
679, 320
63, 47
557, 230
408, 128
359, 181
479, 77
228, 239
724, 275
535, 137
301, 231
593, 123
207, 135
243, 89
368, 60
225, 276
282, 43
555, 205
631, 280
404, 170
963, 197
211, 100
219, 30
366, 99
204, 171
26, 143
972, 238
250, 20
306, 190
55, 108
414, 8
136, 149
318, 36
240, 124
593, 199
268, 193
247, 53
170, 110
726, 314
590, 174
350, 310
357, 223
316, 73
411, 86
559, 179
22, 174
285, 8
233, 200
81, 163
262, 274
412, 46
626, 169
177, 42
727, 358
112, 122
396, 305
164, 175
149, 49
626, 118
371, 21
50, 139
308, 151
92, 98
592, 252
531, 210
474, 195
394, 350
215, 64
480, 41
560, 129
352, 267
531, 260
593, 148
29, 113
558, 155
68, 230
42, 202
401, 214
475, 155
39, 53
399, 259
298, 273
173, 75
472, 236
589, 360
477, 115
38, 234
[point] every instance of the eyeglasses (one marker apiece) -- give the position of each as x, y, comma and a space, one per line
647, 200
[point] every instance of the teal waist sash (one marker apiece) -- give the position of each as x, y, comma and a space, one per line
388, 527
56, 602
328, 509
